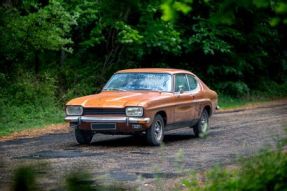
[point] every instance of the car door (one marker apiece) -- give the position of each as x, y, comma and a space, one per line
185, 108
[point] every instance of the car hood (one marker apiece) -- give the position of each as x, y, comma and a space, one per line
116, 99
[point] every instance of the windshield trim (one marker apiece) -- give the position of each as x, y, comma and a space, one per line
172, 83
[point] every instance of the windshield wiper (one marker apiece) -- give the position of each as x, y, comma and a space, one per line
117, 89
147, 89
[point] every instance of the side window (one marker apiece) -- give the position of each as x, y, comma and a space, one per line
181, 81
192, 82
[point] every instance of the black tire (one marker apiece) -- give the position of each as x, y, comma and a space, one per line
201, 128
83, 137
155, 133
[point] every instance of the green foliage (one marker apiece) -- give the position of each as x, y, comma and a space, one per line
209, 38
126, 34
75, 84
163, 36
169, 8
268, 91
270, 173
24, 179
27, 102
29, 91
226, 101
235, 89
79, 181
261, 3
266, 171
52, 51
42, 29
272, 89
280, 7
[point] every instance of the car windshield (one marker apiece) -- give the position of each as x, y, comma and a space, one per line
139, 81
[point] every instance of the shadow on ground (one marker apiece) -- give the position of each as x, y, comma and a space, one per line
140, 140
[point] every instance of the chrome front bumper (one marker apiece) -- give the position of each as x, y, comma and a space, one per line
91, 119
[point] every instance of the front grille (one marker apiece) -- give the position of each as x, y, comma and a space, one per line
104, 111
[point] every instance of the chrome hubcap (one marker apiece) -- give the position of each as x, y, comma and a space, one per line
204, 124
158, 130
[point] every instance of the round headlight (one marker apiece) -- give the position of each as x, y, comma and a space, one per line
134, 111
74, 110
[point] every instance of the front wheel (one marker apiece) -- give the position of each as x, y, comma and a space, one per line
83, 137
201, 128
155, 133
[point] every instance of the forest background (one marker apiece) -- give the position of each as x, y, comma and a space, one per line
55, 50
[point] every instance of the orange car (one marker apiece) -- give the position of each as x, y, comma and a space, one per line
148, 101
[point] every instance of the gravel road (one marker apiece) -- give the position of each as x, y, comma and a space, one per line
128, 161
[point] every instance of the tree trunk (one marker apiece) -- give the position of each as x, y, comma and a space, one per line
37, 63
62, 57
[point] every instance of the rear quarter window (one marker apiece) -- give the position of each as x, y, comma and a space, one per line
192, 82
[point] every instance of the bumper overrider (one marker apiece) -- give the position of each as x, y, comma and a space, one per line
124, 124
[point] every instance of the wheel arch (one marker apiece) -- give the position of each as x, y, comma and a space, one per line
208, 109
163, 114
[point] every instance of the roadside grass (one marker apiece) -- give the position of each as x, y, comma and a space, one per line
265, 171
29, 117
228, 102
28, 102
268, 91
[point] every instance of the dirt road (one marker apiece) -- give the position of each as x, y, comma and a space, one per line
128, 160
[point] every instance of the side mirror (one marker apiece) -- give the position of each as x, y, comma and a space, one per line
180, 89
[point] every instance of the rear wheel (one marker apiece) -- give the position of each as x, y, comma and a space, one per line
83, 137
155, 133
202, 127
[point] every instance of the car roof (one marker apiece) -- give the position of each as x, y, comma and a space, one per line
154, 70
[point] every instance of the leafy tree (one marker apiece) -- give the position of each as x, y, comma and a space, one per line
228, 43
32, 29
